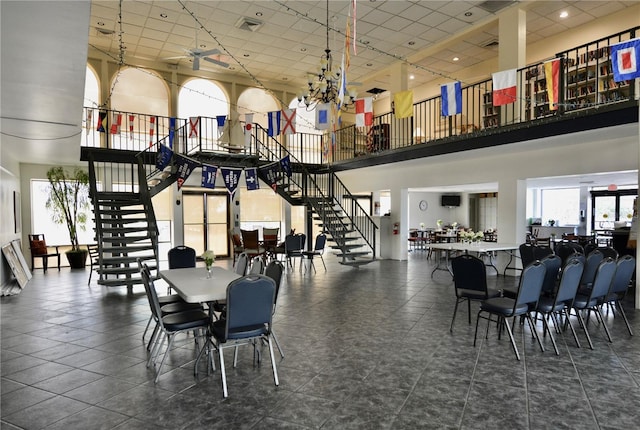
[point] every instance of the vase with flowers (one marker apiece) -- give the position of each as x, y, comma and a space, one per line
209, 258
439, 224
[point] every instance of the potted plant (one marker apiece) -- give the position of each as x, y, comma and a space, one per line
68, 202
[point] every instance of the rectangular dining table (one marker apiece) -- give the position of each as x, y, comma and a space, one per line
482, 248
193, 285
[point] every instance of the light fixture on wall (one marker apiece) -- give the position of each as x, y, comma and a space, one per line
324, 86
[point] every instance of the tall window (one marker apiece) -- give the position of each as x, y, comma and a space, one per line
611, 206
135, 90
259, 102
260, 208
200, 97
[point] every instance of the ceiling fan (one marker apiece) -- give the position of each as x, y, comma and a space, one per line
197, 54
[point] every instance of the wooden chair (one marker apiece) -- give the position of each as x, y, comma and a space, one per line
251, 243
39, 249
94, 259
236, 244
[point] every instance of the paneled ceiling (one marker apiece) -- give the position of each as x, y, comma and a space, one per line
290, 36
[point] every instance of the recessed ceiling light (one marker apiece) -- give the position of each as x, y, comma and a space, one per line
303, 49
455, 58
245, 55
411, 77
468, 13
202, 45
369, 64
365, 42
101, 23
564, 14
163, 15
285, 79
411, 43
258, 13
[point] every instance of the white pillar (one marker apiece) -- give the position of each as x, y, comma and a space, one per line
400, 215
512, 34
511, 224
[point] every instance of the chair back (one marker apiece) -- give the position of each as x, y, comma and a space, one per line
321, 241
526, 254
602, 281
257, 266
236, 241
241, 264
591, 267
540, 252
37, 244
469, 273
576, 257
249, 306
530, 284
543, 241
274, 270
181, 257
590, 247
625, 266
270, 237
608, 251
552, 264
149, 288
566, 249
294, 243
94, 252
250, 239
569, 281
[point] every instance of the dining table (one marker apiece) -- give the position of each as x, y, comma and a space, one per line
481, 248
193, 285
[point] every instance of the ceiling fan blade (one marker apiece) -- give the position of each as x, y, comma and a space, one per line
196, 63
218, 62
209, 52
179, 57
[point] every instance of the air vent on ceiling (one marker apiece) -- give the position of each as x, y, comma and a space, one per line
248, 24
104, 32
493, 6
376, 91
491, 43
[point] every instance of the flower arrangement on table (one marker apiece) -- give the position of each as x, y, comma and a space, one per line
209, 258
421, 226
454, 225
439, 224
469, 236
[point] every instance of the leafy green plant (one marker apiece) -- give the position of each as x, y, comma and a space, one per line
68, 200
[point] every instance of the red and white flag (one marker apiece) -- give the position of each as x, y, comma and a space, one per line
364, 112
288, 121
152, 128
194, 125
504, 87
116, 124
248, 127
131, 118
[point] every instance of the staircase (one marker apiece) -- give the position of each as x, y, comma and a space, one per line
125, 227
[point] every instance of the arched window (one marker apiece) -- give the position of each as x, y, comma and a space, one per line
139, 91
306, 144
259, 102
206, 99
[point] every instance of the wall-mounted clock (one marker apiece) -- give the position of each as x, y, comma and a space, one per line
423, 205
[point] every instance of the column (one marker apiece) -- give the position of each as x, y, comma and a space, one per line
399, 82
512, 52
511, 224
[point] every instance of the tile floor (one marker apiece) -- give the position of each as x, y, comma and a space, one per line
365, 348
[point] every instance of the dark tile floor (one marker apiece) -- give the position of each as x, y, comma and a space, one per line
365, 348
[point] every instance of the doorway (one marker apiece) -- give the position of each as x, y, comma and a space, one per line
206, 221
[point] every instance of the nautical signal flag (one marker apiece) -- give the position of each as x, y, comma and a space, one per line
89, 118
131, 123
504, 87
271, 173
248, 127
102, 121
625, 57
403, 104
220, 120
172, 131
552, 76
152, 127
285, 162
185, 167
164, 157
251, 177
364, 111
194, 125
451, 98
323, 116
289, 121
116, 124
273, 128
209, 174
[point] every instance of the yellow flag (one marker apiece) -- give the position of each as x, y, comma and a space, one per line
403, 104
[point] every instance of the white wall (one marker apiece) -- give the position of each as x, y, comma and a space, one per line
435, 211
9, 183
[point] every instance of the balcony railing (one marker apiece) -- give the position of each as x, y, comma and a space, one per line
585, 82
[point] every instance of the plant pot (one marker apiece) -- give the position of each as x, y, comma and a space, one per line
77, 259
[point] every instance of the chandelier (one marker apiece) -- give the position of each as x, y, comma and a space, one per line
324, 86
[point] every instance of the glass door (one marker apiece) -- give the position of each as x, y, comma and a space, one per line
206, 222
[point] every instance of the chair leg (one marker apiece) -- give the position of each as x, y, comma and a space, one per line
469, 310
223, 374
273, 362
601, 319
553, 340
584, 327
475, 336
322, 259
275, 338
153, 335
164, 356
534, 332
513, 342
624, 316
575, 337
58, 262
147, 327
453, 319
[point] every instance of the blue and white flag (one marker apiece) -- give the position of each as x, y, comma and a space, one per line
286, 165
625, 60
231, 178
451, 98
323, 116
270, 174
274, 123
209, 174
220, 119
251, 176
172, 131
185, 167
164, 157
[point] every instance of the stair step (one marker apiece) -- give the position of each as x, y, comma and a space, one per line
122, 212
130, 259
112, 221
122, 270
127, 249
357, 262
114, 240
352, 254
117, 196
341, 239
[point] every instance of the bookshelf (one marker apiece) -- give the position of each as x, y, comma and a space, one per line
536, 93
491, 113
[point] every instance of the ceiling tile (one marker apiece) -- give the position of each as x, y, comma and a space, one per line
417, 11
